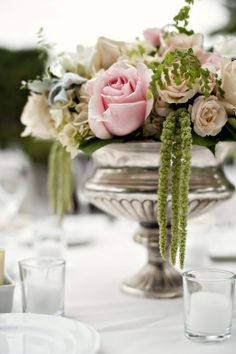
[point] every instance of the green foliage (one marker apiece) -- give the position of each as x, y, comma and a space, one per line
181, 20
91, 145
232, 122
232, 131
208, 141
16, 66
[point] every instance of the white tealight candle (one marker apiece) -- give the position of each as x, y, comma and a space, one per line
210, 313
45, 298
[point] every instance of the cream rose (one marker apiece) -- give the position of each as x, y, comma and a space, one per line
173, 93
229, 86
106, 53
37, 118
183, 41
208, 116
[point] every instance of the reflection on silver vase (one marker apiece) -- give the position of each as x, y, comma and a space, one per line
124, 183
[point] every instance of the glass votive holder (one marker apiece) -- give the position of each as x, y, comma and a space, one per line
208, 304
43, 285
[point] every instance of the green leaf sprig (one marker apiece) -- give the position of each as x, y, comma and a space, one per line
181, 20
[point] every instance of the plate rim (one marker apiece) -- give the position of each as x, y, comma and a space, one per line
97, 337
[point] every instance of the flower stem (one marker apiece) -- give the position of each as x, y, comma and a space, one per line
52, 176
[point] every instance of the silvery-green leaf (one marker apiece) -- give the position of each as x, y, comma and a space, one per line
61, 97
57, 95
70, 80
39, 86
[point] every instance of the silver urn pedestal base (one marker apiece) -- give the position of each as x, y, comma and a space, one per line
157, 279
124, 183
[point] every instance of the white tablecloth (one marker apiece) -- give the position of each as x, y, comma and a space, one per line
127, 325
130, 325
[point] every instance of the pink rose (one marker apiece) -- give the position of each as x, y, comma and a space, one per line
211, 61
119, 103
153, 36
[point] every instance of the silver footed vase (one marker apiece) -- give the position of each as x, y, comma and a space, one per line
124, 183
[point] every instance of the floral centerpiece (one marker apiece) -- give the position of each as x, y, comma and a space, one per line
166, 87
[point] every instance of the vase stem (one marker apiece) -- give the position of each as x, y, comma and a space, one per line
157, 279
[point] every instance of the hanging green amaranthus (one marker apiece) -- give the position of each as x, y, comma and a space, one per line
175, 191
60, 180
166, 153
186, 140
175, 166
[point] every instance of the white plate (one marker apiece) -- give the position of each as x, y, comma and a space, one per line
42, 334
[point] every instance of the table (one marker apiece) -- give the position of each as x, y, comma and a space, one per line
130, 325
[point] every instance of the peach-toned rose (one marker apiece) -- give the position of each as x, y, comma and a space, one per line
208, 116
173, 93
183, 41
153, 36
119, 103
37, 118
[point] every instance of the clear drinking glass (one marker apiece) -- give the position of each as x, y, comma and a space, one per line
208, 304
43, 285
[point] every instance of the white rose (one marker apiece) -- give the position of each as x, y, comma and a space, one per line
173, 93
229, 86
226, 46
37, 118
107, 53
208, 116
80, 62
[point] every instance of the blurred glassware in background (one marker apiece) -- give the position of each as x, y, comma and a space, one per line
14, 169
49, 239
